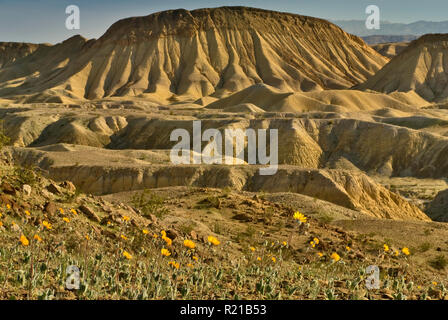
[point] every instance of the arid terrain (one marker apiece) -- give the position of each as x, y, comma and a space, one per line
362, 151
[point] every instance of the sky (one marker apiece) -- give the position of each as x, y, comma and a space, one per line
40, 21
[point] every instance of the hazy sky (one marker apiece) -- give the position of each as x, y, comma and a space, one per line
44, 20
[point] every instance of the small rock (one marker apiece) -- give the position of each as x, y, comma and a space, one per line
68, 185
153, 218
27, 189
51, 208
53, 189
46, 194
89, 213
193, 235
107, 209
172, 234
7, 188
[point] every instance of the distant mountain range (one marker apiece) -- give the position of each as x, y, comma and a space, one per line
388, 39
357, 27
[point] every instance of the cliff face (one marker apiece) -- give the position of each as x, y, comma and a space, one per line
211, 51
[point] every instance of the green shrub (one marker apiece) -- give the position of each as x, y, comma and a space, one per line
149, 203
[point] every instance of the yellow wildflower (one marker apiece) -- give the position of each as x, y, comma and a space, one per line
320, 254
24, 240
127, 255
195, 258
174, 264
258, 258
165, 252
87, 237
124, 237
335, 257
145, 231
386, 248
66, 219
126, 218
61, 210
8, 206
273, 259
168, 241
189, 244
27, 213
213, 240
316, 241
300, 217
47, 225
252, 249
285, 243
37, 238
73, 211
406, 251
348, 248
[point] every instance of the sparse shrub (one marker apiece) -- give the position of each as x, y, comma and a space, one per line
325, 218
4, 139
425, 247
187, 227
209, 202
25, 176
149, 203
439, 262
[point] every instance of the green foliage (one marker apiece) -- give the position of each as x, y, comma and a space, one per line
149, 203
4, 139
25, 175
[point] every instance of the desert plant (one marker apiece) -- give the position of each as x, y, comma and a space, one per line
439, 262
4, 139
149, 203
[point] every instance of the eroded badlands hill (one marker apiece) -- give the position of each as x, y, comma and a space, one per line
421, 67
199, 53
11, 51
